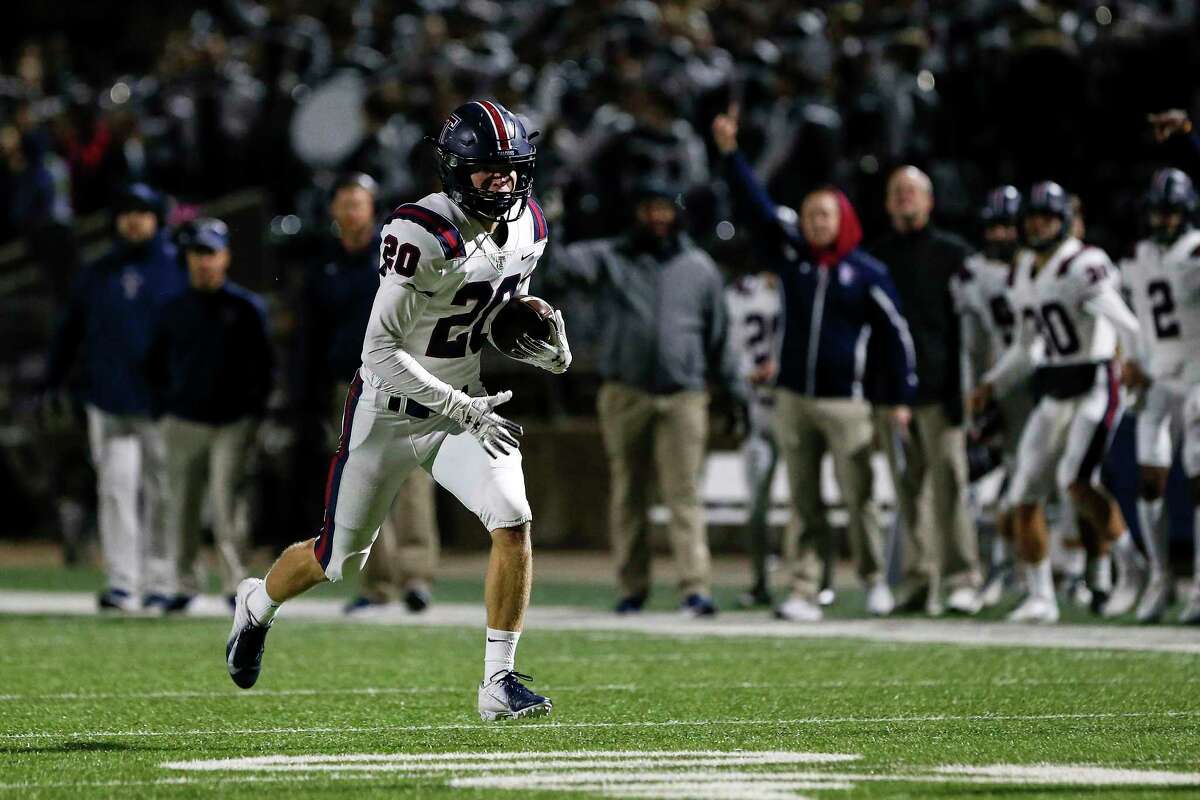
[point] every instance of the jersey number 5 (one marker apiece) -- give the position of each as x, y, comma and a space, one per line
399, 258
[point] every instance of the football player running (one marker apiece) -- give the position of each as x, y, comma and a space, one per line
1070, 314
988, 330
447, 263
1162, 280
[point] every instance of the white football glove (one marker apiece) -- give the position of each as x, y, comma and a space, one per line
497, 435
553, 356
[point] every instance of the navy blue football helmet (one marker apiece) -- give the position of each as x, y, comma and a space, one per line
1001, 207
484, 135
1171, 192
1049, 199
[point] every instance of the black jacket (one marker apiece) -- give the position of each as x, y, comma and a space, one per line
922, 265
211, 358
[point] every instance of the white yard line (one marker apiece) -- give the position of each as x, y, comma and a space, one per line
383, 691
1171, 638
552, 726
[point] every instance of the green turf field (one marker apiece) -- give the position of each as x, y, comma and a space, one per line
128, 707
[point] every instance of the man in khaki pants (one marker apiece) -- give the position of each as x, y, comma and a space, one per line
929, 461
836, 299
210, 365
662, 300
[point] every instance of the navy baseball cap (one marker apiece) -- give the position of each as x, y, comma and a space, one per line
138, 197
208, 233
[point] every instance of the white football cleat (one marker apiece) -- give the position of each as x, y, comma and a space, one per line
1130, 578
1190, 615
1042, 610
505, 697
1154, 599
880, 602
964, 600
799, 609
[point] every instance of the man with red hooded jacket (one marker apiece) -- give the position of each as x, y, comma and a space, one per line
836, 297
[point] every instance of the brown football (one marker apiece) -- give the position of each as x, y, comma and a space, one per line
523, 314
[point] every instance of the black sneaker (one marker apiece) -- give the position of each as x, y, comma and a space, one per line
166, 603
116, 600
503, 696
247, 639
631, 604
417, 600
698, 605
363, 603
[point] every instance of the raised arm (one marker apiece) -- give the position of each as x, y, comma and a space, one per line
751, 202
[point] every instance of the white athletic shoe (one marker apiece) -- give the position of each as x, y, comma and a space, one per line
1130, 578
799, 609
880, 602
1036, 609
993, 588
964, 600
505, 697
1154, 599
1190, 615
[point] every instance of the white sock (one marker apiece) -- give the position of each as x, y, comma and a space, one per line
1101, 573
1076, 562
1150, 515
1040, 579
499, 652
260, 605
999, 550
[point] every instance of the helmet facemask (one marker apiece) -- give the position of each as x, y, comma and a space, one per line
491, 205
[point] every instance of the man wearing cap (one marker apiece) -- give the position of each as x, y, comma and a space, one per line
664, 337
106, 328
339, 290
210, 367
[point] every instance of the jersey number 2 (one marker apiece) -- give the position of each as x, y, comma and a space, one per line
1162, 306
483, 300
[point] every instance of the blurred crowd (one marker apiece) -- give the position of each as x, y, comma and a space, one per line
286, 94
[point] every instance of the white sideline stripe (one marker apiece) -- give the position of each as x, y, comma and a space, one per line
1076, 774
507, 756
1043, 774
585, 725
377, 691
1172, 638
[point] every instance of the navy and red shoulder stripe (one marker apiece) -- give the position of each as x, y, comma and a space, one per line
540, 229
442, 229
1069, 260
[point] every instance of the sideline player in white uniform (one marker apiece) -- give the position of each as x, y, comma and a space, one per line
989, 324
1071, 312
447, 263
1162, 279
755, 322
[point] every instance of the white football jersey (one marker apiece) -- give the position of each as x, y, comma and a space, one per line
982, 291
755, 319
1051, 304
442, 278
1162, 286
